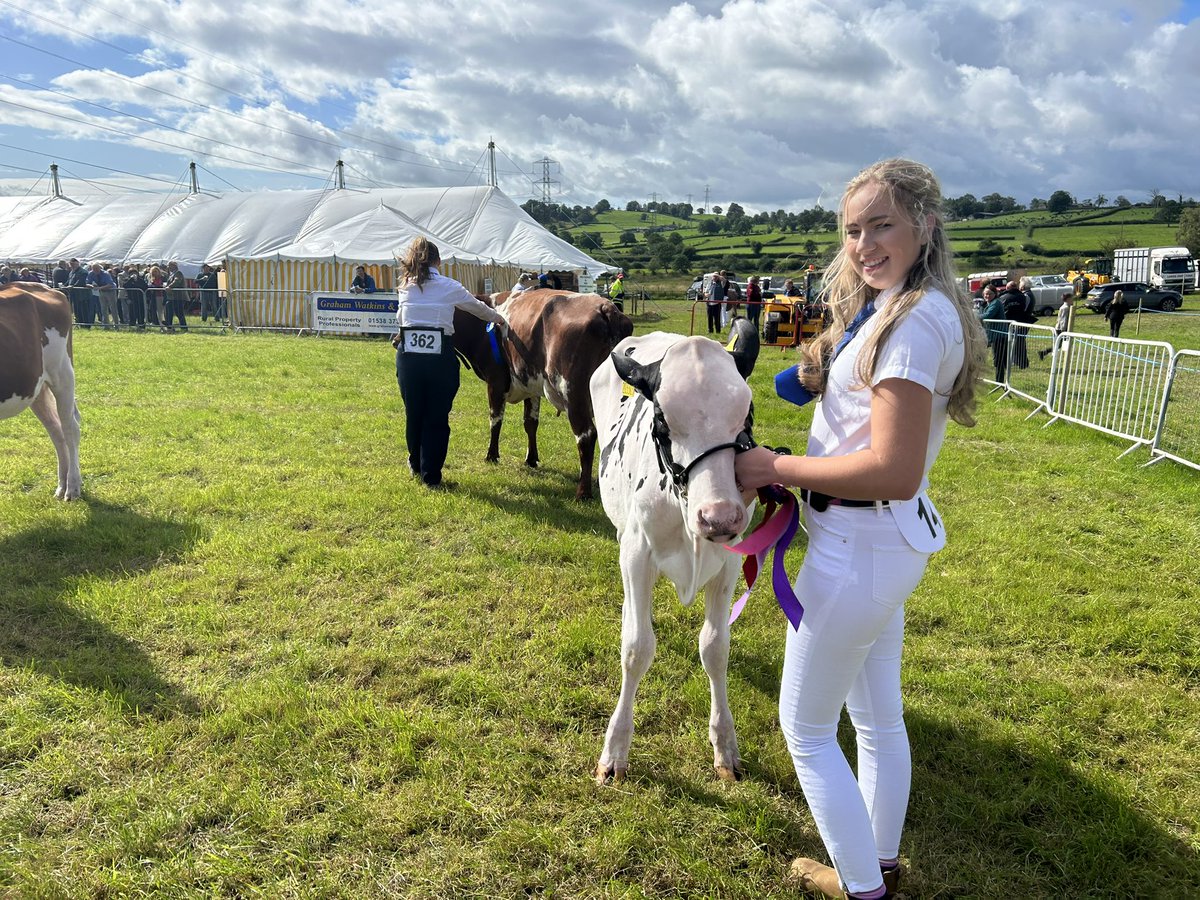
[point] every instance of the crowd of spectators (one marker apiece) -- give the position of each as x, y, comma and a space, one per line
129, 296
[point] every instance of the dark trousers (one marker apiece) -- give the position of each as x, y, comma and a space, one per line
1114, 326
1000, 356
753, 311
428, 384
135, 304
174, 306
81, 299
714, 317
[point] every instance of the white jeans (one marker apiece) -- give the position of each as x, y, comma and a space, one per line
857, 573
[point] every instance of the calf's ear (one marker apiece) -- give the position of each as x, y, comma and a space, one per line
644, 378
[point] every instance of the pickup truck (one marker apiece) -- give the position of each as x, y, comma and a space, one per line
1049, 291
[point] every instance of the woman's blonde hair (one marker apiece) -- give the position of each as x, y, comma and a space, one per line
420, 255
917, 194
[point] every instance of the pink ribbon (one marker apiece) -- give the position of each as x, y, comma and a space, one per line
773, 534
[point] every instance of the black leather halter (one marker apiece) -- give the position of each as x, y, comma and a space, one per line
680, 475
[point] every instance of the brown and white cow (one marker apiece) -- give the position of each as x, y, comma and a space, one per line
556, 340
36, 371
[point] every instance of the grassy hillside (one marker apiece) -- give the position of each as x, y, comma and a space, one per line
1037, 241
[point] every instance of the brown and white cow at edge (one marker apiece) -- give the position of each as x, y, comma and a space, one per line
36, 371
556, 341
671, 412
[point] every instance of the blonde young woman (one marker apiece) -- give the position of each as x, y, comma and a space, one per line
426, 367
899, 360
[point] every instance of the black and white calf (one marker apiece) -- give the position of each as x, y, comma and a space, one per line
670, 413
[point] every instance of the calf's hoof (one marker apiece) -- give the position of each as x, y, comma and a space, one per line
725, 773
491, 459
606, 773
531, 463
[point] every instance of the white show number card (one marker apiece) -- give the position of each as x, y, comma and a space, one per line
421, 340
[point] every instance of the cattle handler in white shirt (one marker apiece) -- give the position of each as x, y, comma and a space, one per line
900, 358
426, 366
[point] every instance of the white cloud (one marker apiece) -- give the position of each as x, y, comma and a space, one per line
768, 102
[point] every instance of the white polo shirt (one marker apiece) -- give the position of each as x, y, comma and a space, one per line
925, 347
432, 304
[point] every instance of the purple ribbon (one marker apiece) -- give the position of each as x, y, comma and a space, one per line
773, 534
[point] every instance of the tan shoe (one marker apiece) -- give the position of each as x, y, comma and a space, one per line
816, 878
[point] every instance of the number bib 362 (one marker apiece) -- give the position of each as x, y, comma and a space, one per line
421, 340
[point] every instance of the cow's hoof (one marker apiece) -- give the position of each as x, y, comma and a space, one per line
531, 463
606, 773
491, 459
725, 773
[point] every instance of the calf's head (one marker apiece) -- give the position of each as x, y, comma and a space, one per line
702, 417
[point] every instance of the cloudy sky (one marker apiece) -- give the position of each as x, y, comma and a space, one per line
769, 103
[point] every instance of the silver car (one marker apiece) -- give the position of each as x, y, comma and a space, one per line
1049, 291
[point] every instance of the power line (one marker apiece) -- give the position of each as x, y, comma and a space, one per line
80, 162
215, 175
148, 121
149, 140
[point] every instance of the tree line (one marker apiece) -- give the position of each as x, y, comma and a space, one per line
663, 248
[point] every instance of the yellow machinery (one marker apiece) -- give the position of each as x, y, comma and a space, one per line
1097, 271
786, 324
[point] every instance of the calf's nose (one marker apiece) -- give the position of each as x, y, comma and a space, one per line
721, 520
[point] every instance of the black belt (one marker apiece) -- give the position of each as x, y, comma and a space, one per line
821, 502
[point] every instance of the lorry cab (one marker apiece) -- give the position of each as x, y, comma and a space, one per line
1172, 268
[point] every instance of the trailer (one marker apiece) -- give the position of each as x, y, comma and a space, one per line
1165, 268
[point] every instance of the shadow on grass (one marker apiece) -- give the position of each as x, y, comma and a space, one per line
990, 819
1033, 824
547, 496
42, 632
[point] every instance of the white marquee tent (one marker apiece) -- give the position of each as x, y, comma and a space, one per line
287, 243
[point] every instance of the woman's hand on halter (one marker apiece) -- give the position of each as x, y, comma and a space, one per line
754, 469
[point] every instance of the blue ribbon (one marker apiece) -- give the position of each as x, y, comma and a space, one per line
491, 330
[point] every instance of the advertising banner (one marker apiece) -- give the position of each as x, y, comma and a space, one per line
354, 313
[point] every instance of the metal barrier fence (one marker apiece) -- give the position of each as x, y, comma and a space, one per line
1023, 360
141, 308
1131, 389
1110, 384
269, 310
1177, 436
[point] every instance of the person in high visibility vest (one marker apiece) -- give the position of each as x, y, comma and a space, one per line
616, 293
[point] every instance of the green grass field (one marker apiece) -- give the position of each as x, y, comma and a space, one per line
259, 660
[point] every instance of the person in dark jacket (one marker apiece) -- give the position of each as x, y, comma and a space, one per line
81, 294
1014, 310
1027, 291
363, 283
135, 296
753, 300
1115, 313
997, 334
206, 284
